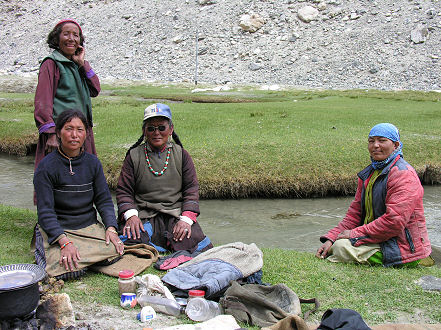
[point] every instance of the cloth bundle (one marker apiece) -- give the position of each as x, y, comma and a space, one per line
214, 269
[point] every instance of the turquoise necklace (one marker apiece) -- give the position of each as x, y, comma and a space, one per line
156, 173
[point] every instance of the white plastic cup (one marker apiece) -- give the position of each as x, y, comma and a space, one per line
147, 314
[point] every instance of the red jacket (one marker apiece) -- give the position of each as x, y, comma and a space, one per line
399, 226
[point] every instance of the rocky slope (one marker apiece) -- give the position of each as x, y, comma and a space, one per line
384, 44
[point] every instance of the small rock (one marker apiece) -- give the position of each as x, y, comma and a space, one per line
203, 51
79, 316
206, 2
430, 283
308, 14
254, 66
321, 6
251, 23
419, 34
178, 39
354, 16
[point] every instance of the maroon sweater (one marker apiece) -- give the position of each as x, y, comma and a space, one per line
48, 78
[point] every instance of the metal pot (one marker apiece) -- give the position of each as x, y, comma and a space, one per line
19, 292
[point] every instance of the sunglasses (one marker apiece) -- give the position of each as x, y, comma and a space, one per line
160, 128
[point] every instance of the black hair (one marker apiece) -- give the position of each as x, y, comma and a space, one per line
67, 116
175, 137
53, 38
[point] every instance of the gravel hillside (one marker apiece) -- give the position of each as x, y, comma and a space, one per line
334, 44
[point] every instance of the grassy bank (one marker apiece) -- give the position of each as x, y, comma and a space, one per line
380, 295
252, 143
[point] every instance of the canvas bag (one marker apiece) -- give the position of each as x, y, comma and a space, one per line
262, 305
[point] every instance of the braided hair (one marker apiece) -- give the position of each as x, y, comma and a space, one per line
175, 137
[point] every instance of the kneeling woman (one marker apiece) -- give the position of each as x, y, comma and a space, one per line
68, 183
385, 223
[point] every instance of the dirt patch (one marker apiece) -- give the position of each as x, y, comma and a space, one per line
97, 316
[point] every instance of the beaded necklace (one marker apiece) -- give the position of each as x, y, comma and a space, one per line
156, 173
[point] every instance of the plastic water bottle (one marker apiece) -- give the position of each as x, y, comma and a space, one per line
161, 305
200, 309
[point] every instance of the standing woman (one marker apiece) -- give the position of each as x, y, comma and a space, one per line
65, 81
69, 184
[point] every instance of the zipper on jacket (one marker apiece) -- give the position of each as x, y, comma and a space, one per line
409, 240
356, 239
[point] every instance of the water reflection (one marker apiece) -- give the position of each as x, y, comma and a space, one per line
285, 223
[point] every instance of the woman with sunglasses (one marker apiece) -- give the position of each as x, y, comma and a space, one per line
158, 190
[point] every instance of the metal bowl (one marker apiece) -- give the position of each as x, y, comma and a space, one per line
19, 293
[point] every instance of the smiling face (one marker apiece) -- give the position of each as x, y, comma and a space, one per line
380, 147
69, 39
157, 139
72, 137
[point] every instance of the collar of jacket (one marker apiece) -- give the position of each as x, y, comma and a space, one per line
364, 174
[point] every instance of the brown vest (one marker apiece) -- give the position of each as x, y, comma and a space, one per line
163, 193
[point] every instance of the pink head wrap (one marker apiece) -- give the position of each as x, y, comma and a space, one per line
69, 21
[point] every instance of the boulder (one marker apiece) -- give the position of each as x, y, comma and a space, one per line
56, 312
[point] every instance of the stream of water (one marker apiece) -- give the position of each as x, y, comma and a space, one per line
285, 223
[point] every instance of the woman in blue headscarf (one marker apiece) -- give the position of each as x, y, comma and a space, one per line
385, 223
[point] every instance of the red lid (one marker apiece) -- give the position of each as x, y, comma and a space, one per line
196, 293
126, 273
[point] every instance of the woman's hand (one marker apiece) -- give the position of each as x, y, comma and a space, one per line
180, 230
112, 236
133, 227
322, 251
344, 234
51, 143
78, 57
69, 255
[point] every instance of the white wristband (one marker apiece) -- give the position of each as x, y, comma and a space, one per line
130, 213
186, 219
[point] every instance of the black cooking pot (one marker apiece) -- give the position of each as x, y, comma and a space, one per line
19, 292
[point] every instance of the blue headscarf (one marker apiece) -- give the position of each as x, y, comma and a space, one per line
390, 132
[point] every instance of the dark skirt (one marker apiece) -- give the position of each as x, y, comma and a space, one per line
159, 233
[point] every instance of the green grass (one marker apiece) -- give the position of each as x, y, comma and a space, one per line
292, 143
380, 295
